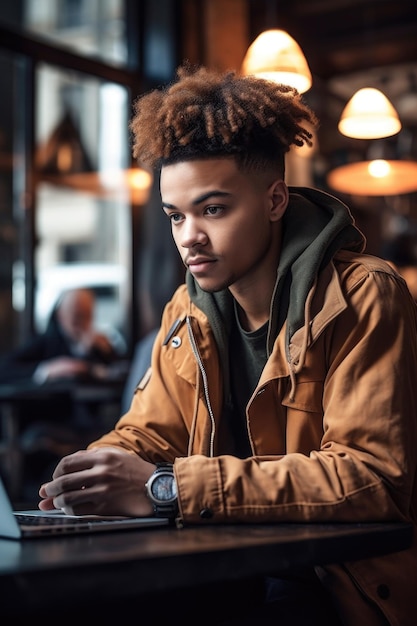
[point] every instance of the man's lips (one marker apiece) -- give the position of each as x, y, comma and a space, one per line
199, 264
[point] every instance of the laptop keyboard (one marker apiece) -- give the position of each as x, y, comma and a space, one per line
41, 520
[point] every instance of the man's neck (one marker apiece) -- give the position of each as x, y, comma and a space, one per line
251, 320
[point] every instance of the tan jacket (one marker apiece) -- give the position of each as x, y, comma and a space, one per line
333, 426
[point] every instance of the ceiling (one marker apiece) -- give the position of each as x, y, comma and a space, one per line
341, 37
350, 44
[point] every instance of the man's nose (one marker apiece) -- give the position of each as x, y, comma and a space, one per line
192, 234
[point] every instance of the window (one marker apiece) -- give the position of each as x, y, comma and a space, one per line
67, 89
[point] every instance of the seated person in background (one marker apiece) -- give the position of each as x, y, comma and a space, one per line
69, 348
283, 378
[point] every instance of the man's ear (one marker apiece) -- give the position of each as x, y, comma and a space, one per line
279, 199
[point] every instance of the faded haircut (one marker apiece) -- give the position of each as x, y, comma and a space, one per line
205, 113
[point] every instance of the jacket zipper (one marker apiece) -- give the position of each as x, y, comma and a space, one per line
205, 384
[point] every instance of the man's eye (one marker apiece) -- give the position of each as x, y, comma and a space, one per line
214, 210
175, 217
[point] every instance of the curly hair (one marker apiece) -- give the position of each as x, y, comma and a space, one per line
205, 113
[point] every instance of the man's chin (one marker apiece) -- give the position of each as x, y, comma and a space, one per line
209, 286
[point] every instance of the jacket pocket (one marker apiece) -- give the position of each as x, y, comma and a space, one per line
308, 396
304, 423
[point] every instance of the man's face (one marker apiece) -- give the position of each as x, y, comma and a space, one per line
76, 314
223, 220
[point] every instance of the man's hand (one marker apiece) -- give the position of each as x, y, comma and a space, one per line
101, 481
92, 340
62, 367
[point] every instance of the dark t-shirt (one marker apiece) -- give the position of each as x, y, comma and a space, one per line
247, 360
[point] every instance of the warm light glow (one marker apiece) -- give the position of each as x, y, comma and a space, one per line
138, 179
134, 181
64, 158
369, 115
375, 178
132, 185
276, 56
379, 168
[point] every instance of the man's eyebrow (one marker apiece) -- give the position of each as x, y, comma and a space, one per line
215, 193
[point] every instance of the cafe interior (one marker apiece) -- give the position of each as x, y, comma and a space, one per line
77, 211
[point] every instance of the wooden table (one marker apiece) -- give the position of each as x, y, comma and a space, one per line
104, 576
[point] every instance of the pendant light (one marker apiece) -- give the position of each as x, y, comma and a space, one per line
63, 160
369, 115
63, 152
276, 56
387, 169
378, 177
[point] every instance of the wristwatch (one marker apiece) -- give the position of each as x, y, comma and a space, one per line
161, 489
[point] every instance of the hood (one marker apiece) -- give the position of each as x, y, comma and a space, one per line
315, 226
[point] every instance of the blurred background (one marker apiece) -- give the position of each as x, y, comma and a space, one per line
76, 211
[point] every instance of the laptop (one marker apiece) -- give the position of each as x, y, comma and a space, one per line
36, 523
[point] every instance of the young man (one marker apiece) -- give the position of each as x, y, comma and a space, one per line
283, 379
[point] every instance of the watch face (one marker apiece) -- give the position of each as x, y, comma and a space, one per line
164, 488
